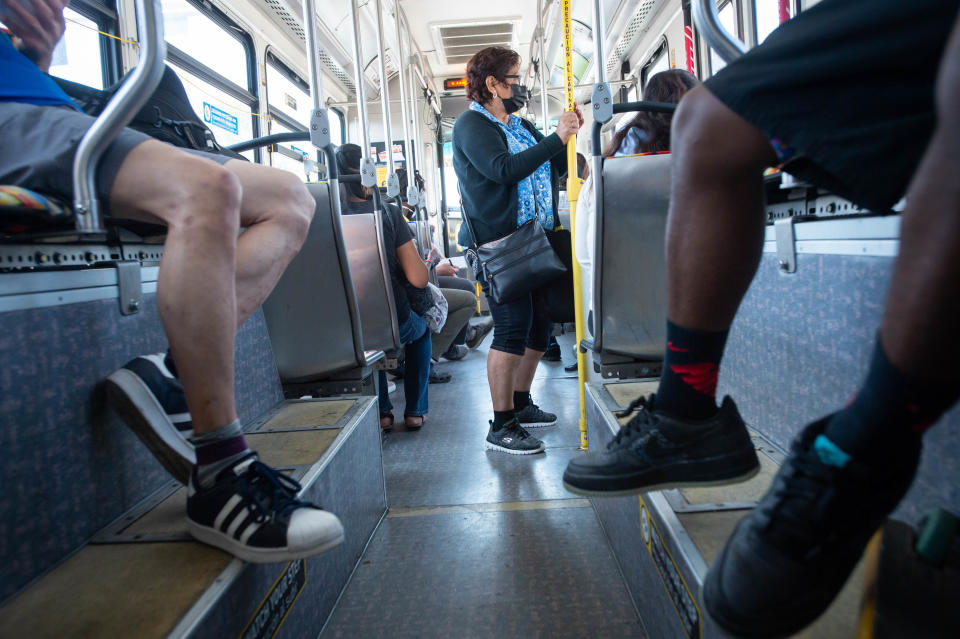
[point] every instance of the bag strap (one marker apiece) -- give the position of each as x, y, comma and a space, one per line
463, 212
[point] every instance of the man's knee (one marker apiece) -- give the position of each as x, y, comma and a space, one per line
707, 135
208, 197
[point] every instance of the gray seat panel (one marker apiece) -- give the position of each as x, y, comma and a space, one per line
368, 267
630, 284
312, 314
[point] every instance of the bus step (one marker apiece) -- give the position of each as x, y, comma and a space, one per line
144, 576
665, 540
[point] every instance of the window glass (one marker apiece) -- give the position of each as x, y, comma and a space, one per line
728, 20
200, 37
336, 127
769, 16
282, 160
230, 119
287, 97
77, 55
660, 63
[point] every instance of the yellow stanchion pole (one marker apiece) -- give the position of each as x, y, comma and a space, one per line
573, 191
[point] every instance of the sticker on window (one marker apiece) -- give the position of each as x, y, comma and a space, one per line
290, 101
219, 117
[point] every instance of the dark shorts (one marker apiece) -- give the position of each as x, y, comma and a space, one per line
519, 324
38, 144
845, 92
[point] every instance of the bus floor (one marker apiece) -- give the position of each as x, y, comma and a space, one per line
479, 543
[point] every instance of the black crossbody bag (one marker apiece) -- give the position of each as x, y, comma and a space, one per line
514, 265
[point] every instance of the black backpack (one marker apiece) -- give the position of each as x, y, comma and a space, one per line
167, 115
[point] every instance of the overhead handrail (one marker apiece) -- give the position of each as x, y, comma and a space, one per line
707, 20
118, 112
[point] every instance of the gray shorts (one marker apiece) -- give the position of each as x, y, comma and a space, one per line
38, 144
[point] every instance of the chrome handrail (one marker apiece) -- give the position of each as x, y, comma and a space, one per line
707, 20
121, 108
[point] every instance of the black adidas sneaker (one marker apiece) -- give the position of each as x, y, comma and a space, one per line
789, 558
513, 439
654, 451
151, 401
252, 512
531, 416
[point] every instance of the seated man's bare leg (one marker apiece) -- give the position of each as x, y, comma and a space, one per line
199, 201
276, 209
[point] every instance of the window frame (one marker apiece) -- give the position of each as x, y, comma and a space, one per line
104, 15
662, 50
271, 59
248, 95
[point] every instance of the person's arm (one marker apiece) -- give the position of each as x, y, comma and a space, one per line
413, 267
39, 30
490, 156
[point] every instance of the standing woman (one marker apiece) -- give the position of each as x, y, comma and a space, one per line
509, 174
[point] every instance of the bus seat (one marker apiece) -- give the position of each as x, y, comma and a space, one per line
23, 210
630, 291
370, 271
312, 315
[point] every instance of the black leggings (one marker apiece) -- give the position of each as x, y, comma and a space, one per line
520, 324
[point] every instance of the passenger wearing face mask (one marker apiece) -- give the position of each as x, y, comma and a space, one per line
509, 174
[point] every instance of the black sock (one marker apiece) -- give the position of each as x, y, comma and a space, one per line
889, 414
521, 399
170, 364
501, 418
688, 383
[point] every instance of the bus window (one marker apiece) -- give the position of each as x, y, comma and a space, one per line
659, 61
288, 155
728, 19
230, 119
770, 14
336, 126
77, 55
287, 93
198, 36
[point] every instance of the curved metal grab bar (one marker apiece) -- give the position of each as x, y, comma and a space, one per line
707, 20
267, 140
117, 114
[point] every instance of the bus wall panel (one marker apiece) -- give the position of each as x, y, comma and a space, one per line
800, 347
70, 466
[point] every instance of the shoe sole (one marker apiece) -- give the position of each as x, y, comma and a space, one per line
667, 485
538, 424
487, 445
217, 539
136, 405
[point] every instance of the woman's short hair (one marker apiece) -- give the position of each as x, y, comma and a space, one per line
495, 61
666, 86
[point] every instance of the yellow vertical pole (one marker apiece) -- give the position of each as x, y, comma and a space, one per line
573, 191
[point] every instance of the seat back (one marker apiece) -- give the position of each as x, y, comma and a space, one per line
366, 252
630, 277
312, 314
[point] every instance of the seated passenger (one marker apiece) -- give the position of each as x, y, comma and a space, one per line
406, 269
508, 174
645, 133
235, 502
863, 98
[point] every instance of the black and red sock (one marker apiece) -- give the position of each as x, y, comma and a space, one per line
890, 412
688, 383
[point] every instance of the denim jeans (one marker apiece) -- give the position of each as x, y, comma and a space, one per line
416, 374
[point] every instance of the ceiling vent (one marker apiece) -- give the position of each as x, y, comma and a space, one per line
456, 43
294, 25
639, 24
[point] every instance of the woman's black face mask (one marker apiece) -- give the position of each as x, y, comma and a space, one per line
519, 98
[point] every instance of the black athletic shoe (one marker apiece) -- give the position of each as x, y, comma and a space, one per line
654, 451
480, 330
532, 417
552, 354
456, 351
789, 558
150, 400
513, 439
253, 513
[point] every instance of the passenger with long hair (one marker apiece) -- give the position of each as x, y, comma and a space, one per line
646, 132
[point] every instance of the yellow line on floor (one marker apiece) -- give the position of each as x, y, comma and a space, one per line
509, 506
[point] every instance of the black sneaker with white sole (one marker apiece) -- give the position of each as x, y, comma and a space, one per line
532, 416
788, 559
513, 439
654, 451
252, 512
151, 401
